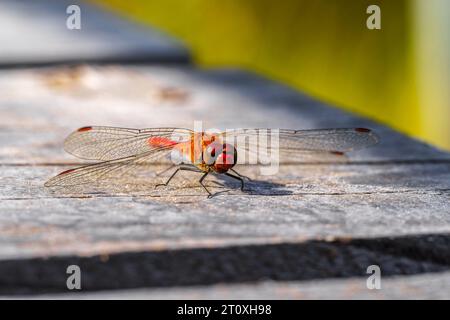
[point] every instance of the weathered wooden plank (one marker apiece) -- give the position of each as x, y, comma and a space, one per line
400, 187
100, 225
35, 32
427, 286
302, 203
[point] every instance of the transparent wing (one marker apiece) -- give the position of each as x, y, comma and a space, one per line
109, 143
287, 156
113, 168
336, 140
300, 145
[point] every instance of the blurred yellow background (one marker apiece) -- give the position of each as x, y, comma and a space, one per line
398, 75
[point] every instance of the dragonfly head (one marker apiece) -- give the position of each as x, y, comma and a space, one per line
222, 157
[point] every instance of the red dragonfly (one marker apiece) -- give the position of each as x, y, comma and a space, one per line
121, 149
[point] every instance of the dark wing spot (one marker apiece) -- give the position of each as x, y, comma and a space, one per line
84, 129
67, 171
362, 130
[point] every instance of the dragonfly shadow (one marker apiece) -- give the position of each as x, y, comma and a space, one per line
252, 187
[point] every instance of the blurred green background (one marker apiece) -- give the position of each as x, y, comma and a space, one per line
398, 75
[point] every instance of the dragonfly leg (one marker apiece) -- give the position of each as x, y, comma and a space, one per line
176, 171
204, 187
237, 178
240, 175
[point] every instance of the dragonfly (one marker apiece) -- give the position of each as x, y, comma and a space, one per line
119, 150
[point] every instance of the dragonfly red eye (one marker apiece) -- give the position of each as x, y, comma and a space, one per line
226, 159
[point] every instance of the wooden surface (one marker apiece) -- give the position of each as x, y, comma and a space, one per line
290, 235
388, 205
425, 286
